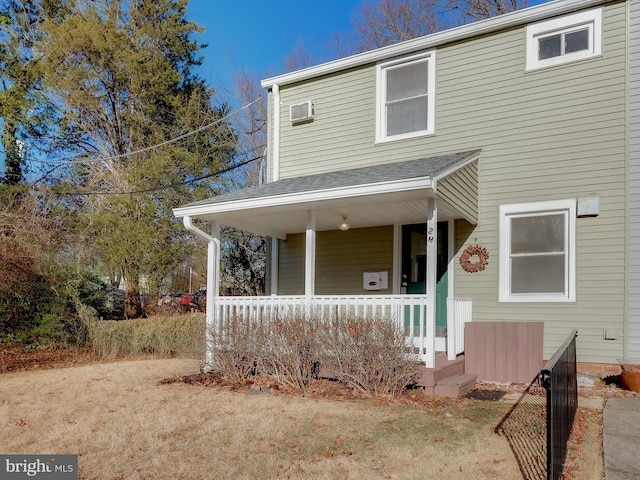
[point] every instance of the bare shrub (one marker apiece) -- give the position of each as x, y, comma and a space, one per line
294, 351
367, 354
238, 348
28, 239
285, 349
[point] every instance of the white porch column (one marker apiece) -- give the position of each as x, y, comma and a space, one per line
452, 331
213, 291
310, 256
215, 234
432, 263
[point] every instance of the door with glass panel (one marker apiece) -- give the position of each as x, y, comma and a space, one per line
414, 268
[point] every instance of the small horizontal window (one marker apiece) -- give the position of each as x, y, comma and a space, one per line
564, 39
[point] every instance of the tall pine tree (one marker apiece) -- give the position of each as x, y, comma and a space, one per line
22, 109
120, 75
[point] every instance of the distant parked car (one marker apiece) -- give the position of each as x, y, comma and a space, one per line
194, 301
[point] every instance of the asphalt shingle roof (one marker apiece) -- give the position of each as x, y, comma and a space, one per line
424, 167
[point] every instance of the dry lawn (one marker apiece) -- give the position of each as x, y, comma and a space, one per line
125, 424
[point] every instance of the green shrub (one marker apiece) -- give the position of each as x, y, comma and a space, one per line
48, 307
14, 312
34, 314
51, 328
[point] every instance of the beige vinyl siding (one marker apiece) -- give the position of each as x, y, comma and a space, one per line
460, 190
477, 106
549, 134
341, 259
291, 265
319, 146
563, 138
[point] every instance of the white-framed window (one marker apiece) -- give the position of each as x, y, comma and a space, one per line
537, 252
564, 39
405, 97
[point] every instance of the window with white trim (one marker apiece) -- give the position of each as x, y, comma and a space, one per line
405, 97
564, 39
537, 252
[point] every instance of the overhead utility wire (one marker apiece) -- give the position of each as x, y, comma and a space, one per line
151, 147
171, 185
56, 166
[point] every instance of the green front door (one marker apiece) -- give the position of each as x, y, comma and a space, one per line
414, 265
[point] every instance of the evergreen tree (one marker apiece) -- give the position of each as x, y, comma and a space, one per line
140, 124
22, 108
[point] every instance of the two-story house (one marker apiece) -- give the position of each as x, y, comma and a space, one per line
486, 173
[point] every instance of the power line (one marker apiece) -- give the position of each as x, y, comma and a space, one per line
239, 154
184, 135
171, 185
151, 147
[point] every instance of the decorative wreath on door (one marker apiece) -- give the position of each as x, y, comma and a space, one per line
474, 258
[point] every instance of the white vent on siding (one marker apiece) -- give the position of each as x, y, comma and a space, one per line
302, 112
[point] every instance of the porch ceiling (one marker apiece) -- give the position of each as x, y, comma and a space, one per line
374, 196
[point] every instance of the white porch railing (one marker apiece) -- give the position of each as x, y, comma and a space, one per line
409, 311
459, 312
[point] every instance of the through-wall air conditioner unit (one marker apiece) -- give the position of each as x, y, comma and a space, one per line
302, 112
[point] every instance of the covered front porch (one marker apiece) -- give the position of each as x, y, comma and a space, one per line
433, 192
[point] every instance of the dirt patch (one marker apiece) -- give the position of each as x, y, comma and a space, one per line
20, 358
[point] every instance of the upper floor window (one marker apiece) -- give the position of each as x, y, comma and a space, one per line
564, 39
537, 252
405, 97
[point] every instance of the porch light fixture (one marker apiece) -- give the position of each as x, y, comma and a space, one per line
344, 226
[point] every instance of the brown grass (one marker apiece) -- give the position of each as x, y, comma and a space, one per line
125, 424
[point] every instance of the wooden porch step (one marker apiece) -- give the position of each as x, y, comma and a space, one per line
430, 377
455, 385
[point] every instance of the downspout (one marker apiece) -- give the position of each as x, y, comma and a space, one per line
213, 255
275, 159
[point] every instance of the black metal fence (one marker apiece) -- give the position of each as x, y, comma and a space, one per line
559, 378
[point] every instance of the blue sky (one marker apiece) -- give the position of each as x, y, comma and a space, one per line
258, 36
